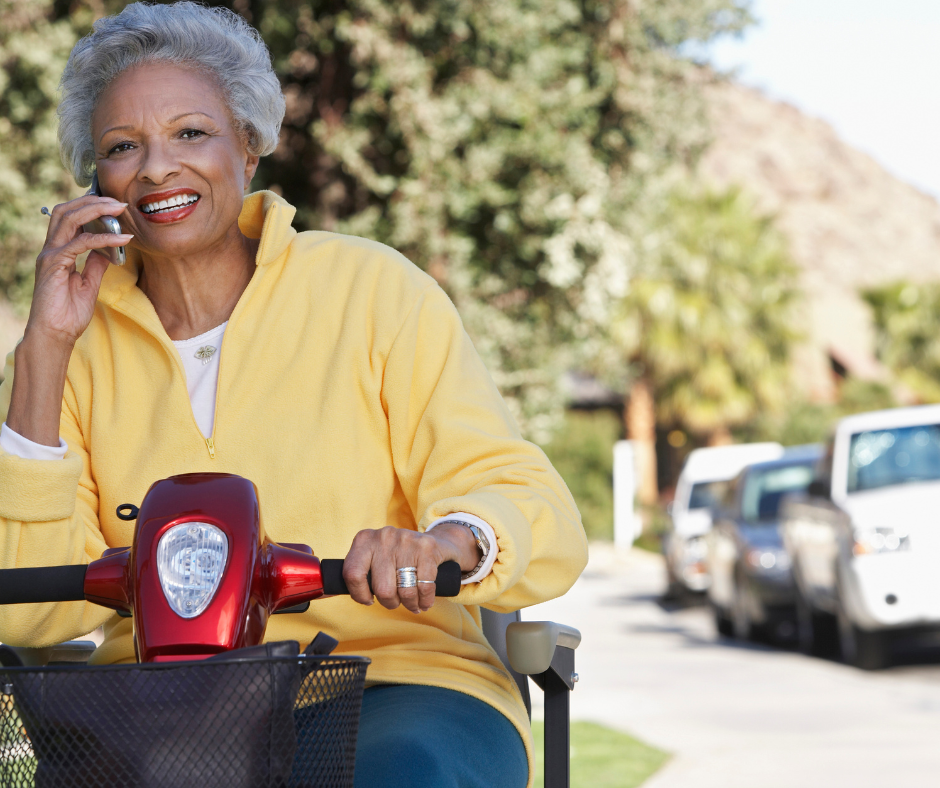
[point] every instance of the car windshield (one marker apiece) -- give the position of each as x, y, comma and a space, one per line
707, 494
881, 458
763, 490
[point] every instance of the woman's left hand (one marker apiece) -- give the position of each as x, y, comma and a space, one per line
385, 550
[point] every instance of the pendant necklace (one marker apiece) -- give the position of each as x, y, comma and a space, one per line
205, 353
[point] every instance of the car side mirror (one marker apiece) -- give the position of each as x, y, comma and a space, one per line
819, 489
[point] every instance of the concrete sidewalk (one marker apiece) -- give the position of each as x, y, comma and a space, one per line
734, 715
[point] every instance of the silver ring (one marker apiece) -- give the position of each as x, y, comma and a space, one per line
45, 211
432, 582
407, 576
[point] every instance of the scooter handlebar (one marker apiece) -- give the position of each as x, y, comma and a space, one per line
67, 583
42, 584
331, 570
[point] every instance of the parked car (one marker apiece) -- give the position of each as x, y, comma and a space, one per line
751, 591
702, 484
864, 540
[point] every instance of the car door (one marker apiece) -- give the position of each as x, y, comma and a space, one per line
722, 548
817, 524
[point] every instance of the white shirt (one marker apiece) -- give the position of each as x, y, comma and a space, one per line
202, 383
200, 357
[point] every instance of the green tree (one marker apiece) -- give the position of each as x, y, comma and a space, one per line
502, 145
33, 51
708, 322
511, 148
907, 334
813, 422
582, 451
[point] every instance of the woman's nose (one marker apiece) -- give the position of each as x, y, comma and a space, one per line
158, 164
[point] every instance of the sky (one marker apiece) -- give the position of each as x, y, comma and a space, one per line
871, 68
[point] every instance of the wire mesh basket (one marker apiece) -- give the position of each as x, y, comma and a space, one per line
289, 722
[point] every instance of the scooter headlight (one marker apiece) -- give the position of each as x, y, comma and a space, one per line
190, 562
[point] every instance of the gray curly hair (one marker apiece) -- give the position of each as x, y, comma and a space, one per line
214, 40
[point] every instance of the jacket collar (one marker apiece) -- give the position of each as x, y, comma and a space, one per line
264, 215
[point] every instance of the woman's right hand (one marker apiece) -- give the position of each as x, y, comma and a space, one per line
64, 297
63, 304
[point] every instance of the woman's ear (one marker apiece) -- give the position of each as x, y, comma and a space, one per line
251, 167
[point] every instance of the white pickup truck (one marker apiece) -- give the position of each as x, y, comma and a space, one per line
864, 541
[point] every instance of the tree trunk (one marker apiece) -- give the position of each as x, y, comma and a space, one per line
640, 421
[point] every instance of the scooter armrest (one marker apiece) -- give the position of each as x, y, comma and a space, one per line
531, 644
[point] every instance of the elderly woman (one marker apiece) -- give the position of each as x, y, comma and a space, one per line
327, 369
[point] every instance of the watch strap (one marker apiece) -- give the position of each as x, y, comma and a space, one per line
482, 543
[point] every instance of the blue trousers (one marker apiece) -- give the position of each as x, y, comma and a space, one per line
427, 737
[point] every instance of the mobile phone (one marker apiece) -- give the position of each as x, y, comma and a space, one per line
106, 224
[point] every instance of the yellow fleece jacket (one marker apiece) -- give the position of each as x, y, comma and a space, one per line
351, 396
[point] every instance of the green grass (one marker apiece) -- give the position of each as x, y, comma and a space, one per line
603, 758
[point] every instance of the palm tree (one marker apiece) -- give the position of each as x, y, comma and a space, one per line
707, 325
906, 318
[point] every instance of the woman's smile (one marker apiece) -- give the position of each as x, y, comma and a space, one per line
173, 205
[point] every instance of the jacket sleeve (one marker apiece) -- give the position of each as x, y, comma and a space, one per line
48, 517
456, 448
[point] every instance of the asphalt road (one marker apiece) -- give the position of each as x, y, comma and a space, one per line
736, 715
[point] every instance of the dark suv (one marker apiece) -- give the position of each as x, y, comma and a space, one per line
751, 591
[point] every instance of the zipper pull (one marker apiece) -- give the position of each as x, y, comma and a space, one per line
211, 445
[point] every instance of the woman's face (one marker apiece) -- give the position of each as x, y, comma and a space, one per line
164, 134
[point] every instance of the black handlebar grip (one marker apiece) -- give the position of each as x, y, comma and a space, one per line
331, 570
42, 584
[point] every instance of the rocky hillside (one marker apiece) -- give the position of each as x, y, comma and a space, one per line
850, 224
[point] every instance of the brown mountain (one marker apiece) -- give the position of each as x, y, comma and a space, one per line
850, 223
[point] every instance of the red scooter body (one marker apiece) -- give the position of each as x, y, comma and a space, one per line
201, 577
259, 577
200, 580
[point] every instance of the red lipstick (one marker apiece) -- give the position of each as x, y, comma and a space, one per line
168, 215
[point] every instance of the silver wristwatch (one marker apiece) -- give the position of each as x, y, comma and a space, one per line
482, 542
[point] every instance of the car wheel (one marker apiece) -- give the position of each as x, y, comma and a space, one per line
674, 591
722, 622
816, 632
673, 587
805, 636
859, 647
741, 623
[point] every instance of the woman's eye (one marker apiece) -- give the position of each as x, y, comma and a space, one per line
120, 147
191, 134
